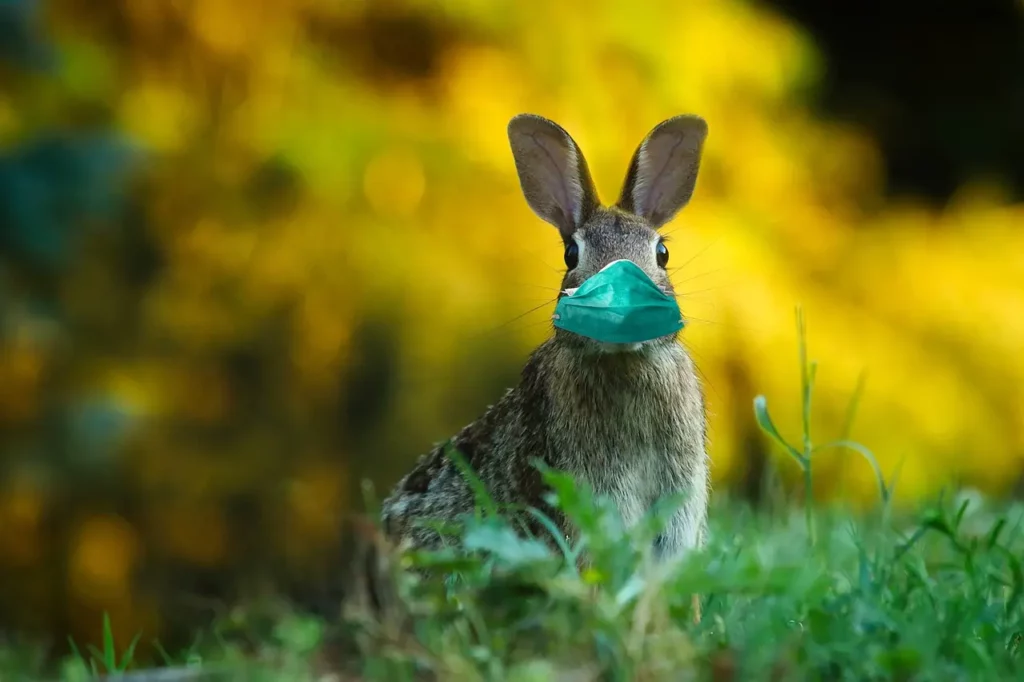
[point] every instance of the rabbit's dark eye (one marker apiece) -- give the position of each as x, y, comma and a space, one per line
572, 255
662, 254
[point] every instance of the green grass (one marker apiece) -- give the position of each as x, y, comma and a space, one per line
791, 593
936, 596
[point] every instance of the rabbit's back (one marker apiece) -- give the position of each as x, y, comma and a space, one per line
497, 447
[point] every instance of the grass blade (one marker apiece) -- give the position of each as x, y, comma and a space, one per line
482, 496
764, 420
869, 457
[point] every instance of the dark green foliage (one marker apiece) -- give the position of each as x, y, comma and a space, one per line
934, 596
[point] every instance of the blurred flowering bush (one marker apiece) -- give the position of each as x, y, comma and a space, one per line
250, 257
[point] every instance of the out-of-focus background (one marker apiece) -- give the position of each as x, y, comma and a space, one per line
252, 253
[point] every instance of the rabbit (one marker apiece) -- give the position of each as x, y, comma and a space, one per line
627, 418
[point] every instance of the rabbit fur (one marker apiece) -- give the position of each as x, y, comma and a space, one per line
629, 419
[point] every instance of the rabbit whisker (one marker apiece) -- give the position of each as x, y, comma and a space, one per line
696, 255
703, 274
534, 309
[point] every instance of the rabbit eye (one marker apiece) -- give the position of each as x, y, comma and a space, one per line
662, 254
572, 255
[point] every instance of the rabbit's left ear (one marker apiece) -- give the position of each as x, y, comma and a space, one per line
663, 172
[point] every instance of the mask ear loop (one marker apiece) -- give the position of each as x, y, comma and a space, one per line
567, 292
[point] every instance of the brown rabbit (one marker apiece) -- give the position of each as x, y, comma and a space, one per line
627, 418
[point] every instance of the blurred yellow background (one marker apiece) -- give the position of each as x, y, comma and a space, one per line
326, 265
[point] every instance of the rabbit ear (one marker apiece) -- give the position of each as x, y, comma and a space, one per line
663, 171
552, 172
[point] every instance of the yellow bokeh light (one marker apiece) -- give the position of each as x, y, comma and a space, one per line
191, 530
104, 552
394, 183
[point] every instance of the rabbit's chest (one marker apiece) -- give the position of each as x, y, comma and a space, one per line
631, 456
634, 481
634, 437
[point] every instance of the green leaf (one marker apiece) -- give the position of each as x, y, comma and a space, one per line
129, 653
807, 374
960, 514
501, 541
74, 649
633, 588
993, 536
851, 409
96, 654
906, 546
109, 652
573, 497
764, 420
1017, 573
883, 488
299, 635
168, 660
443, 561
555, 532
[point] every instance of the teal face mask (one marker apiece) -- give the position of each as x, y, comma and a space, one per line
619, 304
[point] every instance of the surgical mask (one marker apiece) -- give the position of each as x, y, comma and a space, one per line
619, 304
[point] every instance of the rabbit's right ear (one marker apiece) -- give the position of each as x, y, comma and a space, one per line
552, 172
